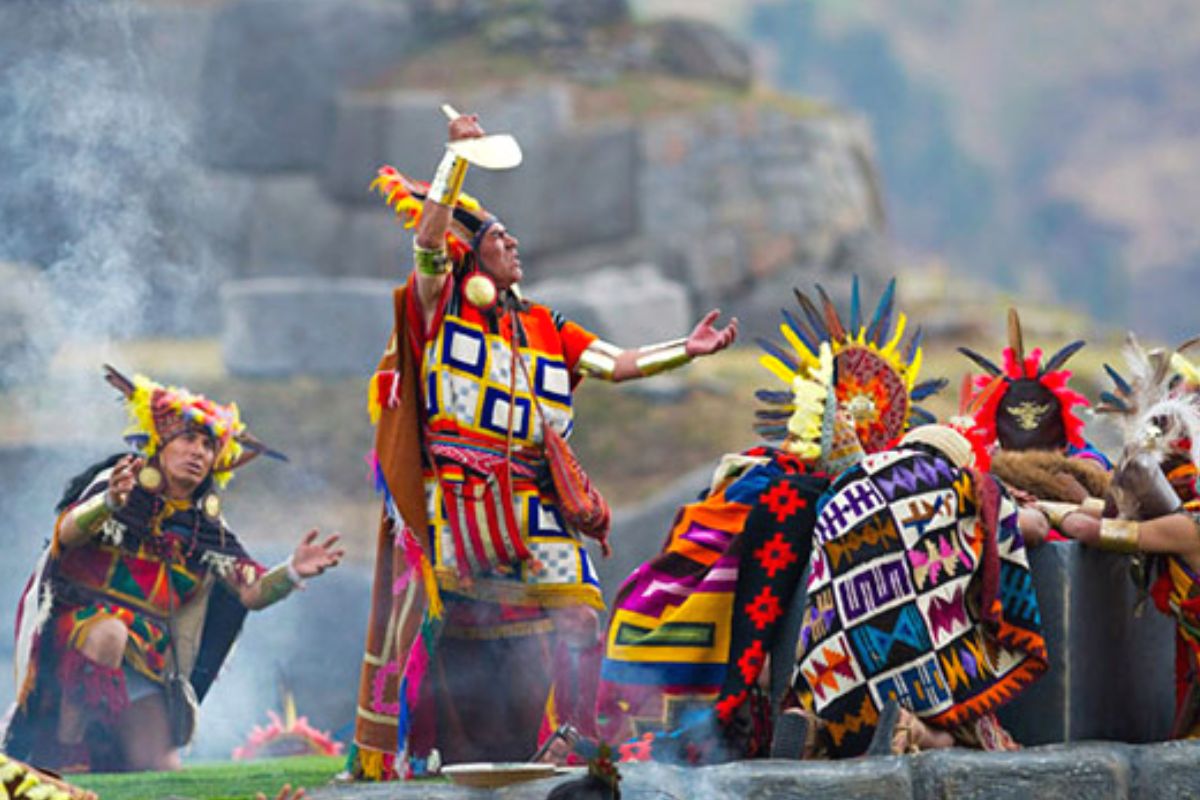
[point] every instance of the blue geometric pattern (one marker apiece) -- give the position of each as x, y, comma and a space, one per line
464, 349
495, 413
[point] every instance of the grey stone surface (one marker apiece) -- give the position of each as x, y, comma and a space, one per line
1084, 772
1166, 770
697, 49
627, 306
407, 130
1111, 674
293, 228
573, 190
319, 326
273, 68
1087, 772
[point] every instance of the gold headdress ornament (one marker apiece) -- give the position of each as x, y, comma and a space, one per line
158, 413
864, 367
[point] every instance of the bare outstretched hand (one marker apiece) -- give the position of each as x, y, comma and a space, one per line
311, 559
706, 338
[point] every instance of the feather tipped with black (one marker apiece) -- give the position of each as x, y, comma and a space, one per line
986, 364
927, 388
810, 340
914, 342
812, 314
784, 356
1060, 358
1111, 404
774, 397
1015, 339
1122, 385
771, 431
855, 308
833, 322
773, 415
118, 381
881, 320
919, 416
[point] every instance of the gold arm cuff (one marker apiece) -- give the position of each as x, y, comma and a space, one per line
431, 262
1056, 512
663, 357
448, 180
1093, 506
1119, 535
275, 584
91, 514
598, 361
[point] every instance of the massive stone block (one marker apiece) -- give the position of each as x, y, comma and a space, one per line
407, 130
1111, 672
318, 326
273, 68
1094, 772
627, 306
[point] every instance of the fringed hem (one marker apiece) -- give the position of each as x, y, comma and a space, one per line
365, 764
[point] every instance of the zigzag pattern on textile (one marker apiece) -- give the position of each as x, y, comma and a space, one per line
910, 477
945, 614
879, 530
992, 697
866, 718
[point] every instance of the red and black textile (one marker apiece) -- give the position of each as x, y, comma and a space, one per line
776, 544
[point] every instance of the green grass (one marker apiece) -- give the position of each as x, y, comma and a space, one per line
223, 781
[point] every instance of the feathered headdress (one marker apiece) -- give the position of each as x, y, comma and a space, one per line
468, 221
862, 367
1157, 413
159, 413
1027, 403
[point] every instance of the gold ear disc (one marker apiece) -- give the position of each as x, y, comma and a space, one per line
480, 291
211, 505
150, 479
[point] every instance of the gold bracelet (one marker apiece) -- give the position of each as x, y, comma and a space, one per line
432, 262
1119, 535
275, 585
599, 360
91, 514
663, 357
448, 180
1055, 512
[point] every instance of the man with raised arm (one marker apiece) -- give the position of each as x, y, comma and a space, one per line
484, 625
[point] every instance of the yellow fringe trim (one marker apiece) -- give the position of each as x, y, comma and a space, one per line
551, 710
432, 593
370, 763
374, 406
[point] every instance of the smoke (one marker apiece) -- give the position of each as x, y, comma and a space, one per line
98, 192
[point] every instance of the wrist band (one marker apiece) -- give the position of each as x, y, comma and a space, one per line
91, 514
663, 357
1119, 535
1055, 512
599, 360
293, 575
277, 583
431, 262
448, 180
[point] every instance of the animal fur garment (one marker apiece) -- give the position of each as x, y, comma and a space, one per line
1046, 474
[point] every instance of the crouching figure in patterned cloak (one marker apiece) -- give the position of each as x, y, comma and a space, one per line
921, 618
138, 598
685, 674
